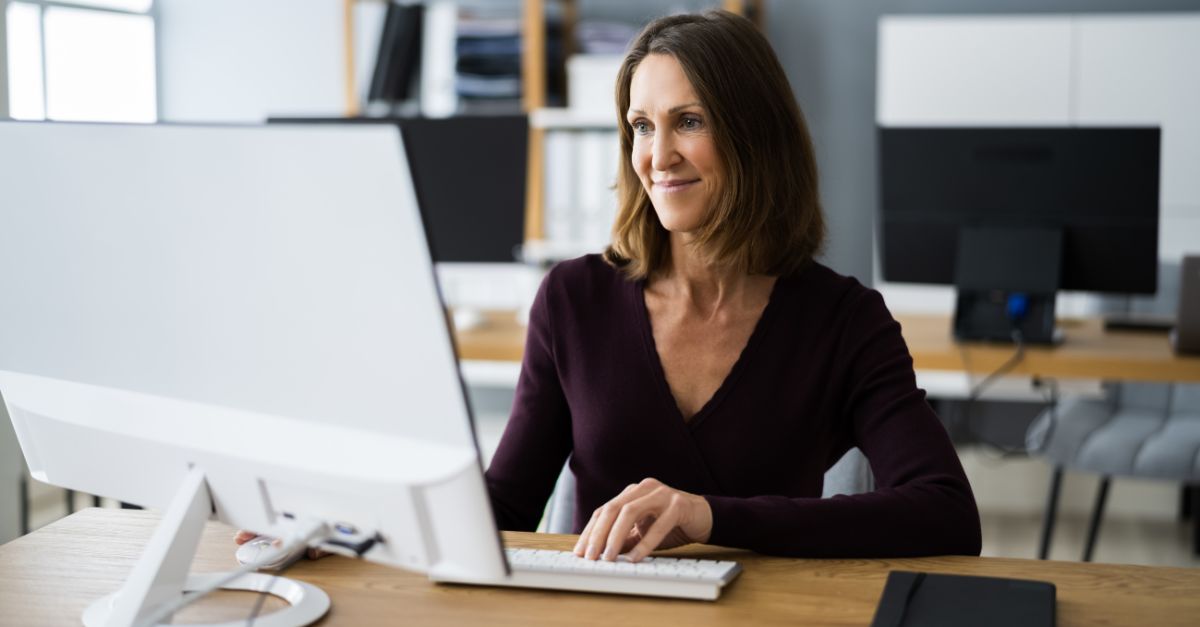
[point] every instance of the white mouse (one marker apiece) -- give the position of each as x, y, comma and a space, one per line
264, 551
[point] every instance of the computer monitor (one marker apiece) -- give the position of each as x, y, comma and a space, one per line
236, 322
1011, 215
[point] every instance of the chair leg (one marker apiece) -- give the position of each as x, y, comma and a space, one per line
1051, 511
1195, 498
1187, 502
70, 502
1097, 513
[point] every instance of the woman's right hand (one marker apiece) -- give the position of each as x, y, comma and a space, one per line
242, 536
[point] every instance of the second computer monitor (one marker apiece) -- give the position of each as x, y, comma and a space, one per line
1010, 216
1098, 187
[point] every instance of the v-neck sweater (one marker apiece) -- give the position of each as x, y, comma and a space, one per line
825, 369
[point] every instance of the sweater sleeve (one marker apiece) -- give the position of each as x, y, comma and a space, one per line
922, 504
537, 439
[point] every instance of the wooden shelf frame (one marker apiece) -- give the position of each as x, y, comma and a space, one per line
533, 85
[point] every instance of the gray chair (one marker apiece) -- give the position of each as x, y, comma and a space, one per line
1139, 430
850, 475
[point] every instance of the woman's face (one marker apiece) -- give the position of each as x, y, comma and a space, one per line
673, 150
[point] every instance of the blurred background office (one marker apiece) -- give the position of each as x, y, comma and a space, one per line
541, 72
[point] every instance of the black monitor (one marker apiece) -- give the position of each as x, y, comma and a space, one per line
1010, 215
469, 173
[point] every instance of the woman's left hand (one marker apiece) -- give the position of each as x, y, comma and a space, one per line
645, 516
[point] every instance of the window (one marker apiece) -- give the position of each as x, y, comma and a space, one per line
82, 60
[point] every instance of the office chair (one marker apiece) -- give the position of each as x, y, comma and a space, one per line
850, 475
1143, 430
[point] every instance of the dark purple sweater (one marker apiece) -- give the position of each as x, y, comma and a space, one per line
825, 370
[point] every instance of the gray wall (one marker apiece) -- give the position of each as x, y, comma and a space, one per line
828, 49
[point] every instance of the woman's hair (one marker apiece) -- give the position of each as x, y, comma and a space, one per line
766, 218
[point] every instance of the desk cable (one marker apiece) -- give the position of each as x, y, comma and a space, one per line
329, 546
977, 391
303, 537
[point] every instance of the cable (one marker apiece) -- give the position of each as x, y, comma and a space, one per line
262, 596
305, 536
1051, 415
331, 546
978, 389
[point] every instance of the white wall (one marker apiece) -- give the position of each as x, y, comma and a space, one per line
239, 61
1146, 69
959, 70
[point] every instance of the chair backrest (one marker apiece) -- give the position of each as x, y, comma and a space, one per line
1186, 399
850, 475
1147, 396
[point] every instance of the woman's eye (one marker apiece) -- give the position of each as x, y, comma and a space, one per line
691, 123
640, 127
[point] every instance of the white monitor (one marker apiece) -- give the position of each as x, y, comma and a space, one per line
240, 321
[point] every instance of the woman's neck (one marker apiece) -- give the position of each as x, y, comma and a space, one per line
708, 290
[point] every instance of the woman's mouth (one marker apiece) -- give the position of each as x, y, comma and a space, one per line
675, 185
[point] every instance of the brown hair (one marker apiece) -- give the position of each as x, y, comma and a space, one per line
767, 217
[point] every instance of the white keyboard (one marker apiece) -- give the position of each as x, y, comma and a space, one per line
653, 576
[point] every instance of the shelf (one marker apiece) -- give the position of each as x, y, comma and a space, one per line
551, 118
540, 251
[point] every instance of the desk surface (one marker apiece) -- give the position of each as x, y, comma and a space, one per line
1088, 352
49, 576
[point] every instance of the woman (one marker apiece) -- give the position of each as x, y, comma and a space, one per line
705, 371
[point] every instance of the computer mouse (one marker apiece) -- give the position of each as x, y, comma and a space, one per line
266, 552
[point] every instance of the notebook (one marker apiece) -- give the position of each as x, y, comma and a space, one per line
910, 599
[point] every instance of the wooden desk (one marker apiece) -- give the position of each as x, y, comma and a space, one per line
49, 576
1089, 352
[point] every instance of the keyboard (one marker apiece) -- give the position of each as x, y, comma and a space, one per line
653, 576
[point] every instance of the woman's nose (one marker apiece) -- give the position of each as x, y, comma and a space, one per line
663, 154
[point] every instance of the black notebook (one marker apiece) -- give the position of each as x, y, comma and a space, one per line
911, 599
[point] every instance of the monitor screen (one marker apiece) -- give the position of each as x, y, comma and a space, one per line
1098, 187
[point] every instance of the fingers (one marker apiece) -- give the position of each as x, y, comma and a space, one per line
581, 543
624, 521
654, 505
598, 536
586, 536
653, 537
243, 536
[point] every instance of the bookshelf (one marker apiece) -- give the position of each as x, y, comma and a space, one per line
534, 94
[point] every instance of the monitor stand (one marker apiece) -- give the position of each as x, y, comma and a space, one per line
984, 316
161, 574
1007, 278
